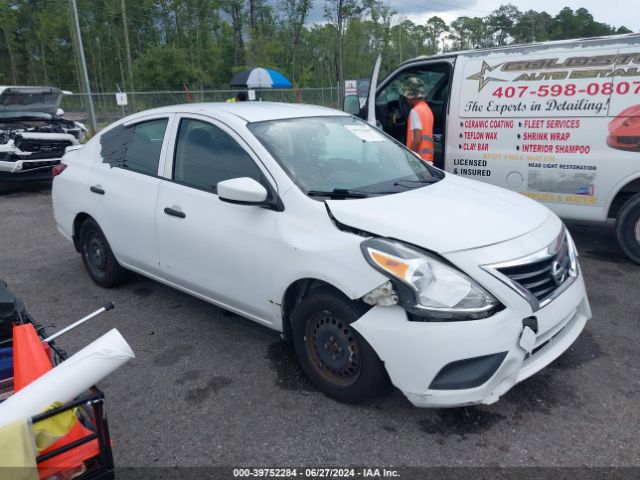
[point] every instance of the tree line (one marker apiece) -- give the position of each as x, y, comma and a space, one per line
149, 45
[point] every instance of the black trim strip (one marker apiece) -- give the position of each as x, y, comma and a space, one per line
467, 373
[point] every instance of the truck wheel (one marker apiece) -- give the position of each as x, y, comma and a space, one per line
339, 361
101, 265
628, 228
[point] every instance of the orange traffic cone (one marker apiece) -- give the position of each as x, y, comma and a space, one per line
71, 459
30, 361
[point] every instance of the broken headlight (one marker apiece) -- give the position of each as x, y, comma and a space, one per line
427, 286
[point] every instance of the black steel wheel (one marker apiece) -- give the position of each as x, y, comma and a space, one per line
333, 348
336, 358
101, 265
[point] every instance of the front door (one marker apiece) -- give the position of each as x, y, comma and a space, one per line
213, 248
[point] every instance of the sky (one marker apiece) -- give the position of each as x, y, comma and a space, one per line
613, 12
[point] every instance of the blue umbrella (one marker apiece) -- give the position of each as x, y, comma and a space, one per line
260, 78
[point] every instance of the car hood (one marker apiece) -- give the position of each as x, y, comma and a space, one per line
30, 99
450, 215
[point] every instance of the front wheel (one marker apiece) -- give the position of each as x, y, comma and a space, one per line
628, 228
336, 358
101, 265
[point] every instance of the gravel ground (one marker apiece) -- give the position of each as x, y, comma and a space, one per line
208, 388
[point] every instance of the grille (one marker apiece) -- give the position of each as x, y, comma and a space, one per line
542, 277
42, 148
629, 140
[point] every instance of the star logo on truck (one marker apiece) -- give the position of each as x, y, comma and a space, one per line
481, 75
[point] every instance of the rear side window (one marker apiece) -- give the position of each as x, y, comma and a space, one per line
206, 155
135, 147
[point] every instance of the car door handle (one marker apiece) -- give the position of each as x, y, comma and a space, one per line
175, 213
96, 189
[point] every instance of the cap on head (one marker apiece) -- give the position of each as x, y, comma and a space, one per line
413, 87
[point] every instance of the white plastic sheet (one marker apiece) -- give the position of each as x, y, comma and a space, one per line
69, 379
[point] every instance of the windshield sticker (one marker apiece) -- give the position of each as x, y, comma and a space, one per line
365, 133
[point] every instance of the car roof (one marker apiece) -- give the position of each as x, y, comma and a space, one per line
630, 39
253, 111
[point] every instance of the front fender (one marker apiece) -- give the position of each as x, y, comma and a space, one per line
309, 245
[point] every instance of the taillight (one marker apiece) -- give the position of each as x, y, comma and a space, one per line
58, 169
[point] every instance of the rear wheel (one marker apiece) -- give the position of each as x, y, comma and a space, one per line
101, 265
628, 228
334, 356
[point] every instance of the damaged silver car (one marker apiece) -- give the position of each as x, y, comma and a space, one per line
33, 134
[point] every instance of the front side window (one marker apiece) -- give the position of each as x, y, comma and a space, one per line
206, 155
323, 154
135, 147
431, 79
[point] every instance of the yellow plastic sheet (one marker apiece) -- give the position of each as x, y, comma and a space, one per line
48, 431
17, 452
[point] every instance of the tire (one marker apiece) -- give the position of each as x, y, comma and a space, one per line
322, 337
98, 259
628, 228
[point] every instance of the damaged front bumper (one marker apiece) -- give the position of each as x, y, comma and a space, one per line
31, 156
27, 170
456, 363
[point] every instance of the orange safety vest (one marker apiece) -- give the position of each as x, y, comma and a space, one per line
425, 150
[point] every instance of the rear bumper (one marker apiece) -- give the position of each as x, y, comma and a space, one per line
63, 217
415, 353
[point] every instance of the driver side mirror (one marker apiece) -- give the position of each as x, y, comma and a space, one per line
352, 104
242, 191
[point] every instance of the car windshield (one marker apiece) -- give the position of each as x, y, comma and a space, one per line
342, 156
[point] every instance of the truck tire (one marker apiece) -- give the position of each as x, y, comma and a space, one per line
339, 361
101, 264
628, 228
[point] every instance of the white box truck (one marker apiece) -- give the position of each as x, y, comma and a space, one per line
558, 122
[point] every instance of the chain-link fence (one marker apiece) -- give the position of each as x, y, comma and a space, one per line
107, 110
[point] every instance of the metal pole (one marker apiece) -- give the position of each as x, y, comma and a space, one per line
107, 307
83, 65
126, 45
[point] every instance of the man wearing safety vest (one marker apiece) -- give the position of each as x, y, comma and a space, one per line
420, 123
240, 97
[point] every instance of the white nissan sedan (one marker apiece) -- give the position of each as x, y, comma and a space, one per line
308, 220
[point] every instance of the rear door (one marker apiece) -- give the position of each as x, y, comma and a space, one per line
623, 132
216, 249
123, 189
